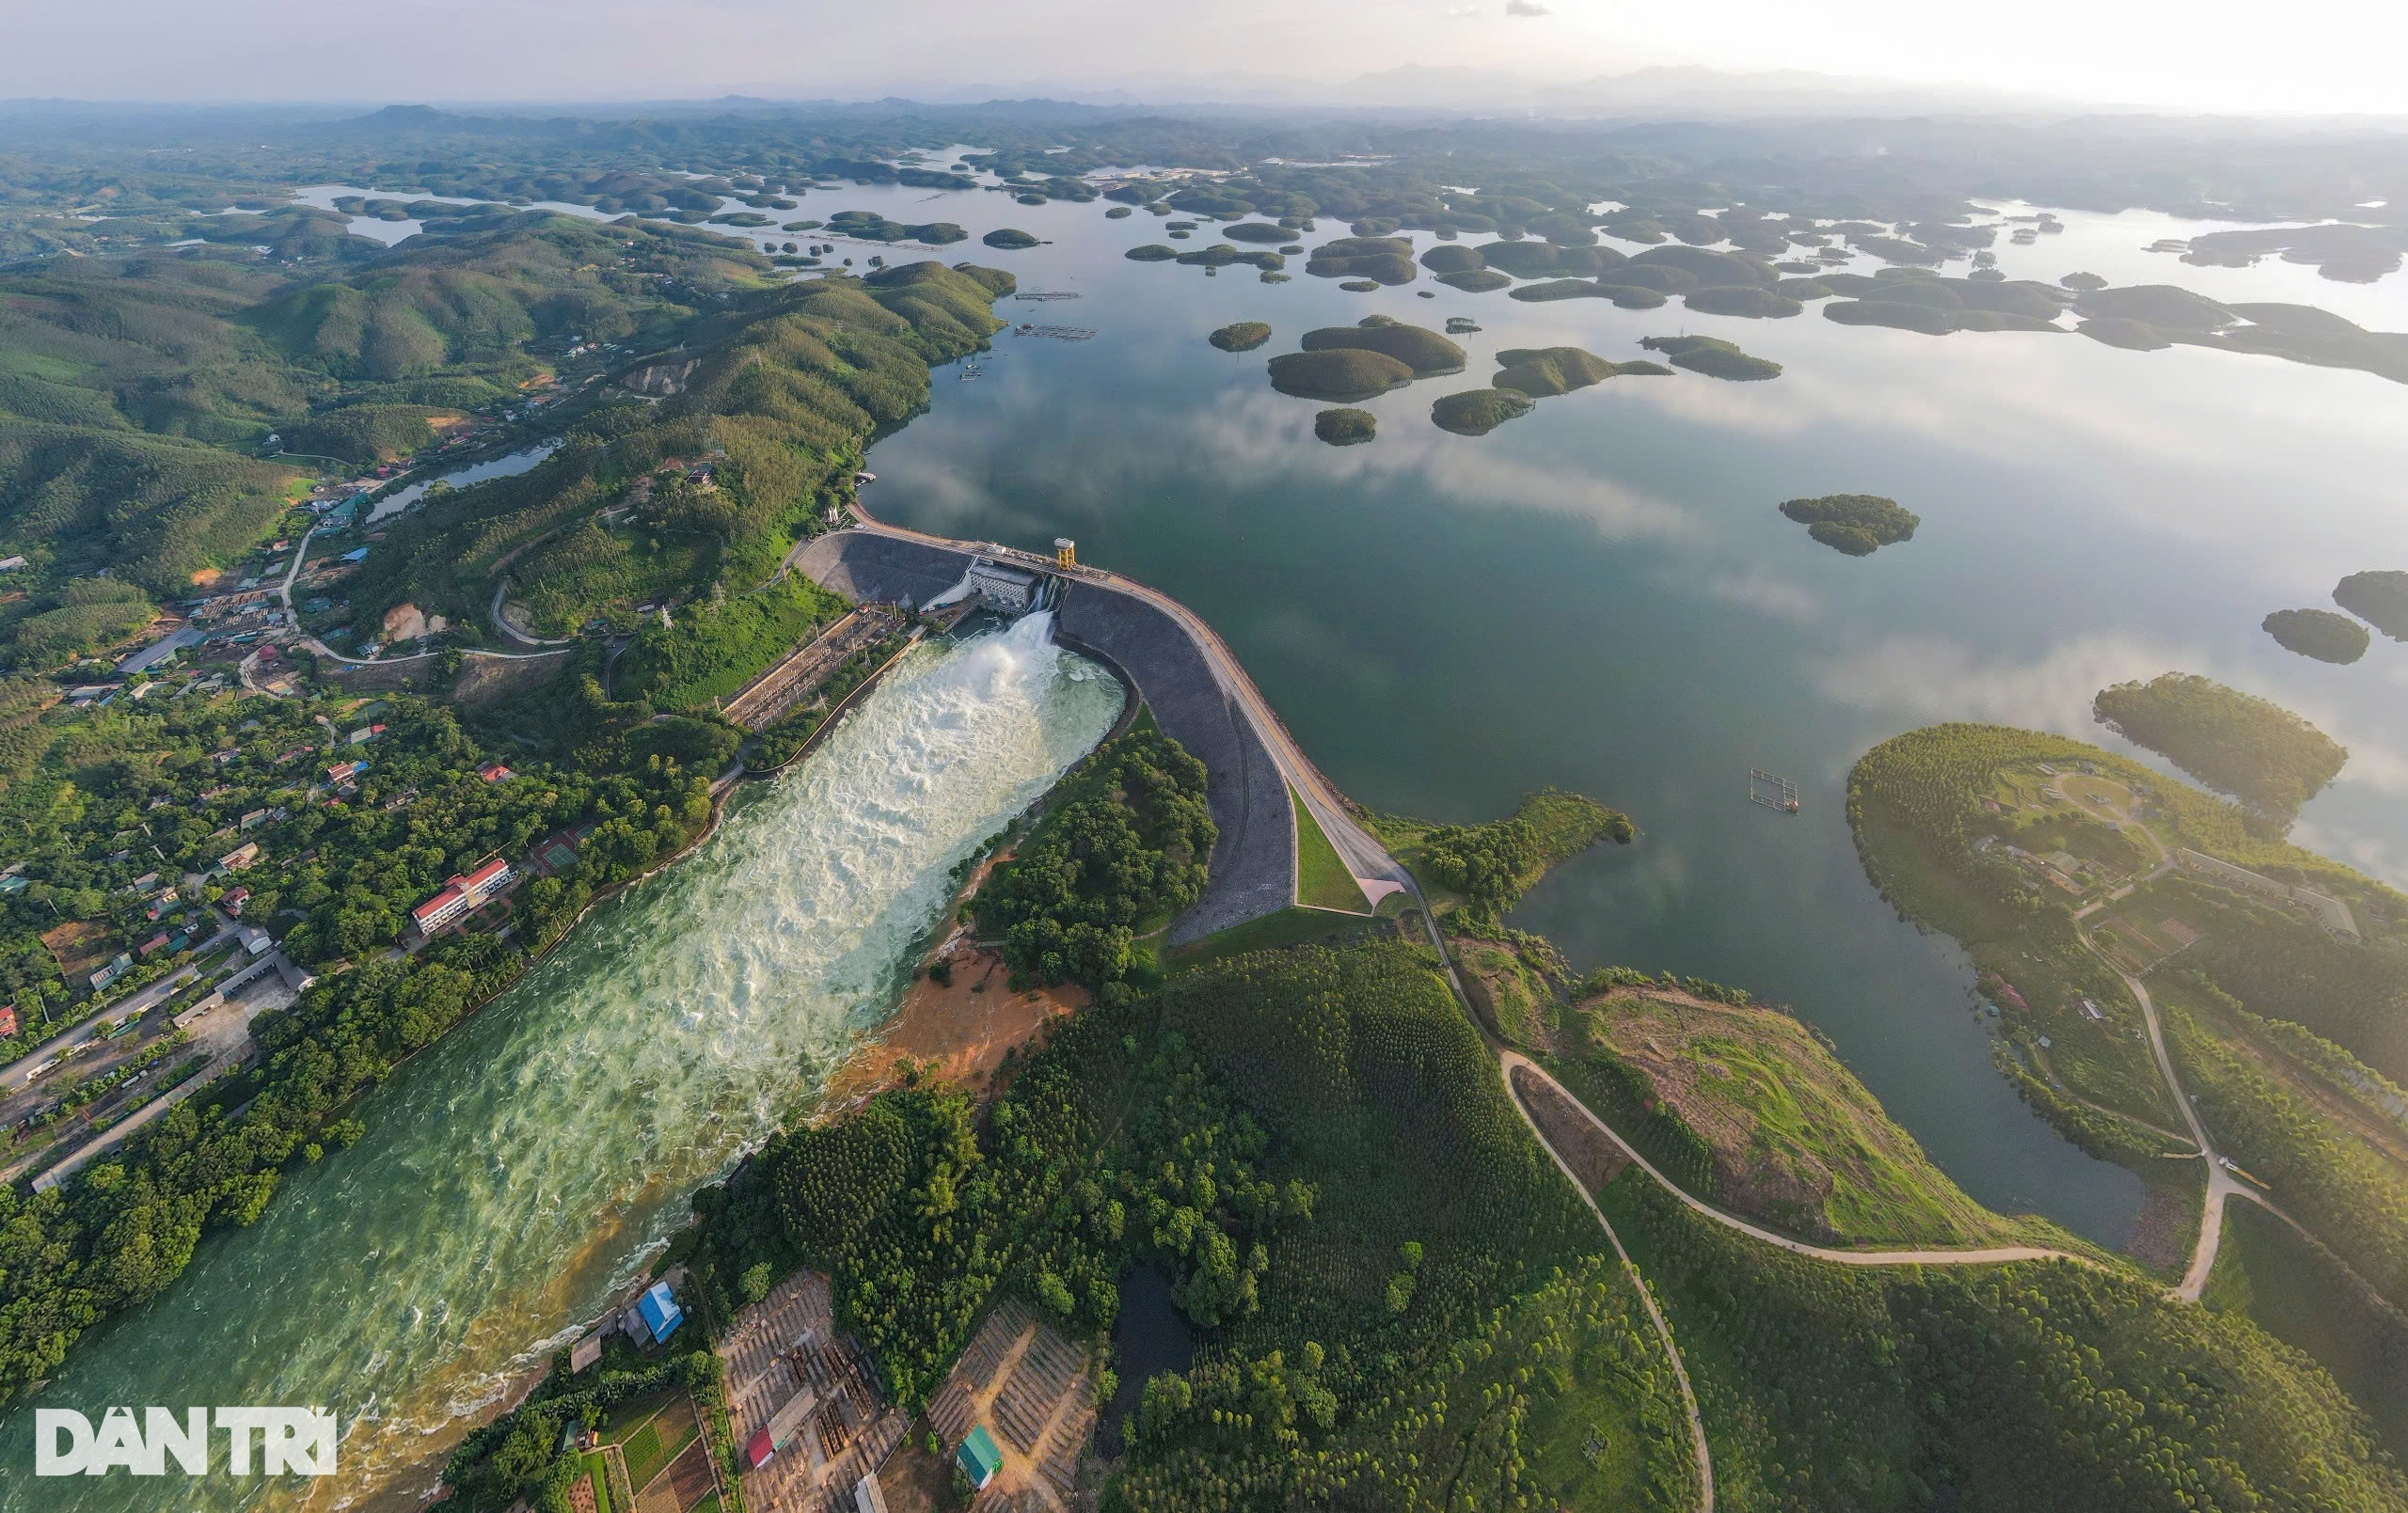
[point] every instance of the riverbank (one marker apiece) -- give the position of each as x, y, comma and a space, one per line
958, 1022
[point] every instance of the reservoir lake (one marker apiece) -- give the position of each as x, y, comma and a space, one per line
1602, 595
1599, 596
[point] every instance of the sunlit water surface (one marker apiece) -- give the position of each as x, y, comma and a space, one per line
515, 1176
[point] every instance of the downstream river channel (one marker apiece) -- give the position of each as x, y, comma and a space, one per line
516, 1174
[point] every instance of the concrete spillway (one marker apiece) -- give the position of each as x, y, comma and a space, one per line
1254, 860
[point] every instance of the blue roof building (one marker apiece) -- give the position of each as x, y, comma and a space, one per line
358, 553
659, 1311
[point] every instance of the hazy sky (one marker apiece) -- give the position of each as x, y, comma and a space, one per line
2305, 56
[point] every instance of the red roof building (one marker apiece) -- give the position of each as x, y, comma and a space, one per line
461, 894
448, 904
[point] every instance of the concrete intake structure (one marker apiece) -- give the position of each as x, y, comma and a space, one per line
1254, 859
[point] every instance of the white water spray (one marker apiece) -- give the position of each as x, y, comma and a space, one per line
513, 1176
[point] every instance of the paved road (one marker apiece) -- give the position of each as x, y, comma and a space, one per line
284, 591
20, 1073
1698, 1446
223, 1034
2221, 1184
509, 632
1511, 1060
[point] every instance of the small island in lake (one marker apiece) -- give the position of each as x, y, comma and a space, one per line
1712, 357
1380, 259
2320, 634
1743, 299
1151, 252
1424, 351
869, 226
1476, 412
2253, 750
1542, 372
1476, 280
1240, 336
1345, 428
2378, 598
1340, 373
1008, 237
1856, 523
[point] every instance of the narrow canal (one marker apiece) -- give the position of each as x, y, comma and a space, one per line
514, 1177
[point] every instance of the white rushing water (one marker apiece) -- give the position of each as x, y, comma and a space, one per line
515, 1176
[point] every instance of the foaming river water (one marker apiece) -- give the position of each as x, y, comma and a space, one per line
514, 1176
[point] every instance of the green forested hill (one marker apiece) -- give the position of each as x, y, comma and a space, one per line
1989, 1389
780, 391
478, 298
133, 391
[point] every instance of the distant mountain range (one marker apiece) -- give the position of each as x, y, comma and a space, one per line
1682, 91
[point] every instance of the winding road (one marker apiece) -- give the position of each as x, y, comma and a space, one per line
2222, 1183
1380, 873
284, 592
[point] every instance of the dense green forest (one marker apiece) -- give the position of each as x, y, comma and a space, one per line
1858, 524
776, 395
1240, 336
133, 391
1386, 1273
1122, 846
1714, 357
2320, 634
1488, 867
1989, 1389
2380, 599
1345, 426
2248, 746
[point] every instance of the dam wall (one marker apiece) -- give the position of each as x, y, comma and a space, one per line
1254, 858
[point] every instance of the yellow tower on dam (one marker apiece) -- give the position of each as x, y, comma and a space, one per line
1065, 552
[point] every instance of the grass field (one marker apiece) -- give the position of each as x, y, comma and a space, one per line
1272, 932
597, 1477
1745, 1109
1322, 878
1508, 987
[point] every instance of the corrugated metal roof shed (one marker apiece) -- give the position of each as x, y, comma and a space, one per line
659, 1311
980, 1457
